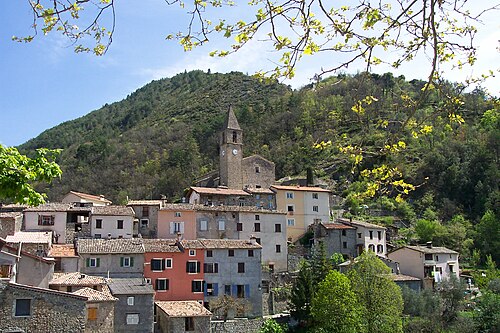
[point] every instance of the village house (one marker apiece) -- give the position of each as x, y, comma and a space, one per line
34, 242
233, 268
304, 205
65, 256
111, 257
337, 238
146, 212
84, 199
134, 309
100, 310
71, 282
432, 264
369, 236
218, 196
174, 268
10, 223
182, 316
112, 222
177, 219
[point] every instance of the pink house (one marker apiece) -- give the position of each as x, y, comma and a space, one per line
174, 219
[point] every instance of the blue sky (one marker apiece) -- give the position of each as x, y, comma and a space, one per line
45, 83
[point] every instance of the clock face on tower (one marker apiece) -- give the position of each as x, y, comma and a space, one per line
235, 152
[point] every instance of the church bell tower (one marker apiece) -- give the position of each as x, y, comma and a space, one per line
231, 153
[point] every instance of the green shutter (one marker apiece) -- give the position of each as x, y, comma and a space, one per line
98, 262
121, 261
131, 261
88, 262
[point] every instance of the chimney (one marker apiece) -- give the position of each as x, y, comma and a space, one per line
253, 240
429, 245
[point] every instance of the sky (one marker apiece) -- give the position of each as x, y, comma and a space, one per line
44, 83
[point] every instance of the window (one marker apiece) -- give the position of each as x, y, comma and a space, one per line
241, 267
119, 224
210, 253
157, 265
250, 253
92, 313
22, 308
227, 289
93, 262
132, 318
428, 256
371, 234
256, 227
130, 300
178, 214
126, 262
144, 223
230, 253
379, 234
437, 258
289, 208
212, 289
257, 196
211, 267
168, 263
240, 291
452, 268
192, 253
277, 227
145, 211
197, 286
258, 186
46, 219
97, 235
193, 267
161, 284
278, 248
271, 268
203, 225
235, 136
315, 195
359, 235
189, 324
257, 217
257, 169
176, 227
239, 226
98, 223
291, 222
315, 209
222, 225
289, 195
380, 248
258, 241
371, 247
344, 245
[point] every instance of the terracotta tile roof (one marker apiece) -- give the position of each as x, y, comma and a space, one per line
160, 245
10, 215
144, 203
14, 250
434, 249
103, 246
177, 207
96, 295
192, 244
360, 223
183, 309
63, 250
47, 291
36, 237
336, 226
130, 286
229, 244
91, 197
402, 277
254, 190
299, 188
245, 209
50, 207
218, 191
76, 279
112, 210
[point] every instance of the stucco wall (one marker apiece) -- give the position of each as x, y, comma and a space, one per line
111, 263
109, 226
143, 305
59, 227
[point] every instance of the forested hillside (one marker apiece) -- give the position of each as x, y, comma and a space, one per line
164, 135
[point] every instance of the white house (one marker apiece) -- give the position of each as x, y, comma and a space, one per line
427, 262
48, 217
84, 198
369, 236
112, 222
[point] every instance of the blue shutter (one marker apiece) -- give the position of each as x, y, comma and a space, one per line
234, 290
216, 289
247, 290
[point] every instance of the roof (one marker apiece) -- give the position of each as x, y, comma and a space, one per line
299, 188
183, 309
76, 279
333, 226
113, 210
402, 277
231, 121
96, 295
91, 197
10, 215
144, 203
50, 207
433, 249
360, 223
232, 208
104, 246
229, 244
47, 291
218, 191
13, 250
36, 237
63, 250
261, 190
170, 245
129, 286
177, 207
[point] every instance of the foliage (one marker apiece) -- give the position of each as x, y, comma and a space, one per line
271, 326
302, 292
18, 173
334, 307
226, 306
320, 265
379, 296
488, 234
487, 316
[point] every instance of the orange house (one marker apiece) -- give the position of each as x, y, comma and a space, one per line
174, 219
175, 269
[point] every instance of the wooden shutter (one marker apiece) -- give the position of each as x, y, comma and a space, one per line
131, 261
187, 266
172, 228
205, 268
98, 262
163, 264
216, 289
234, 290
181, 227
198, 267
216, 268
88, 262
247, 290
121, 261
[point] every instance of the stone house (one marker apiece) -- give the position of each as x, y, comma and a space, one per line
175, 268
182, 316
218, 196
119, 258
304, 205
31, 309
432, 264
217, 222
262, 198
337, 238
10, 223
71, 282
146, 211
112, 222
233, 268
34, 242
100, 310
134, 310
177, 219
66, 259
369, 236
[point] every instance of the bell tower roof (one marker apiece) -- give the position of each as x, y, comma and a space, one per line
231, 121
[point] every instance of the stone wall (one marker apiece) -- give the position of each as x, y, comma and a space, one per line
105, 318
10, 224
237, 325
51, 311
